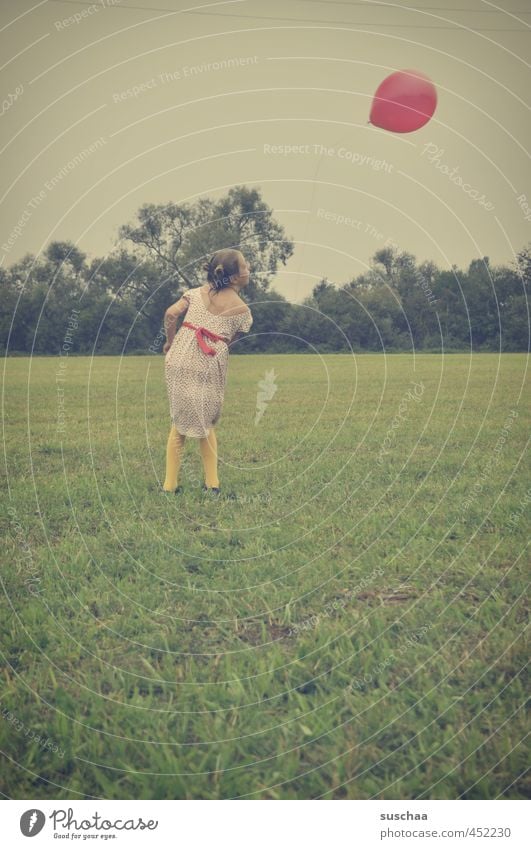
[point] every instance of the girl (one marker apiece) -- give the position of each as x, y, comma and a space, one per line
197, 359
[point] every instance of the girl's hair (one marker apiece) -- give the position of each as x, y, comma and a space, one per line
221, 266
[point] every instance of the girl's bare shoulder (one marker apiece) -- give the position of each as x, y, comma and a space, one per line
228, 302
237, 307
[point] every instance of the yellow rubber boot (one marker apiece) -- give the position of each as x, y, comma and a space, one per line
209, 454
174, 455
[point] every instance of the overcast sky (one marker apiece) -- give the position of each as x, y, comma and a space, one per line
158, 100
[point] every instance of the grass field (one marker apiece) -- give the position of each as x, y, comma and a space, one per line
349, 624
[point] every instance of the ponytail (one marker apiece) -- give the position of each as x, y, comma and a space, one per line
221, 266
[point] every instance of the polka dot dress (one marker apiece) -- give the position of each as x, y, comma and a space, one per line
195, 380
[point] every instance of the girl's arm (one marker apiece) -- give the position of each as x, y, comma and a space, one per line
170, 321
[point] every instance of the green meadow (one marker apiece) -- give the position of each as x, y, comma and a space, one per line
346, 621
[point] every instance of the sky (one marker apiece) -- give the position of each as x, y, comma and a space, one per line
111, 105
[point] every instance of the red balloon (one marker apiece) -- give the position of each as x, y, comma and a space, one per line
404, 102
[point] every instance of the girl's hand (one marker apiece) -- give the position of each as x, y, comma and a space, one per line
166, 347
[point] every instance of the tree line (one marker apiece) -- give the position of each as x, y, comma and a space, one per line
118, 301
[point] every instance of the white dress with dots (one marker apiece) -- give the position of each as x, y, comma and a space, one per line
196, 380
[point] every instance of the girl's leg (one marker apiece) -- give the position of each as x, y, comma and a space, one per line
209, 454
174, 454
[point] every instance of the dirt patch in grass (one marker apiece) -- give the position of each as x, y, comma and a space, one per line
397, 596
252, 632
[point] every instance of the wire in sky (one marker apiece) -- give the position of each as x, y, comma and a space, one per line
367, 5
305, 20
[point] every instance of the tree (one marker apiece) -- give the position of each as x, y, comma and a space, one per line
523, 265
65, 253
180, 237
120, 299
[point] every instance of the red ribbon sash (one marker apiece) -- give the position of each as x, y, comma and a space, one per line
201, 332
